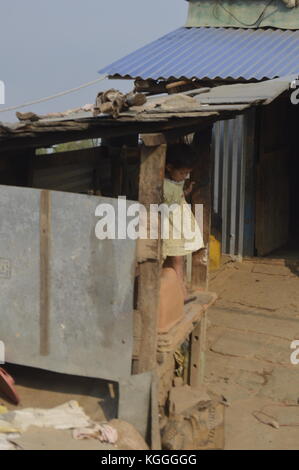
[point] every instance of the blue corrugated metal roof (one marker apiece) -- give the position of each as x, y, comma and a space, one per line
212, 53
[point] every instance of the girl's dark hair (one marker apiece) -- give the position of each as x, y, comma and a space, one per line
180, 156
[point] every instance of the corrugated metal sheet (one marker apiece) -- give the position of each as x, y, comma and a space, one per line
213, 53
229, 204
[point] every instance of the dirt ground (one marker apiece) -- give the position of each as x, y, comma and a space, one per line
251, 327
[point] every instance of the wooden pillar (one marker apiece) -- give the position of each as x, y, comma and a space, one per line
202, 195
200, 267
149, 256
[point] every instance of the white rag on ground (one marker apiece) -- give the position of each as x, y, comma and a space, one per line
67, 416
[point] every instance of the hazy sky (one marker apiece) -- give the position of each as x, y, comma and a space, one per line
48, 46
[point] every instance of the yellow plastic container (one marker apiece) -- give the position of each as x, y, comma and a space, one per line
215, 253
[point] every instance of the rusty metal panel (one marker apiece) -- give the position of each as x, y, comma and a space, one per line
87, 287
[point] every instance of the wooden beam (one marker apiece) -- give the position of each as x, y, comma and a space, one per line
150, 192
39, 137
172, 136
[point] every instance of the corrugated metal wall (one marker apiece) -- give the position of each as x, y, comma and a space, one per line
230, 154
72, 171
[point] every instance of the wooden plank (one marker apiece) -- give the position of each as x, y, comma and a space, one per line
202, 195
45, 234
44, 137
150, 192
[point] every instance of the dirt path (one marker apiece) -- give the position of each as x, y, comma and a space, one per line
248, 361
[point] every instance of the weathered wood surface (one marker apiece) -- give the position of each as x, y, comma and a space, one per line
202, 175
150, 192
46, 134
200, 262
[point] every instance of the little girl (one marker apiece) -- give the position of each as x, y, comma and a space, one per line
180, 161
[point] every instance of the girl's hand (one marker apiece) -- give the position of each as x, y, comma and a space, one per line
189, 188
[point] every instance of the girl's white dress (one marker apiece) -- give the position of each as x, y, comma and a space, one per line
181, 233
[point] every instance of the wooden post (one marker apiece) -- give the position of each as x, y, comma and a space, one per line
149, 254
45, 242
202, 195
200, 263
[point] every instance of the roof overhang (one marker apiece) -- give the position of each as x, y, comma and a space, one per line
179, 113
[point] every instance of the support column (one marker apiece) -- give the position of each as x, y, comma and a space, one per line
200, 263
149, 256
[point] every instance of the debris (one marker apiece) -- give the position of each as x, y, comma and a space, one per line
55, 439
200, 429
103, 432
6, 428
32, 117
196, 420
56, 428
6, 441
264, 418
290, 3
181, 399
112, 102
179, 103
281, 419
128, 436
